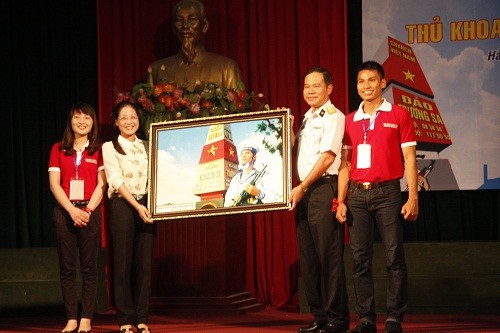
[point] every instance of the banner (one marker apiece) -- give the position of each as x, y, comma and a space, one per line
442, 64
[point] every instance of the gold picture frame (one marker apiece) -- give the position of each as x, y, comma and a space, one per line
194, 161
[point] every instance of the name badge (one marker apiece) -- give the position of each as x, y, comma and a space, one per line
76, 189
364, 156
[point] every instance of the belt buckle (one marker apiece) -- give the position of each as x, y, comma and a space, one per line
139, 196
366, 186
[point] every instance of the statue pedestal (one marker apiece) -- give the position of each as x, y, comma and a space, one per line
201, 264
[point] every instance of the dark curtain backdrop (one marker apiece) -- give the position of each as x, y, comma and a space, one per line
57, 53
49, 63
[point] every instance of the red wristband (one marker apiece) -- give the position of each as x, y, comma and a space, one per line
87, 209
336, 203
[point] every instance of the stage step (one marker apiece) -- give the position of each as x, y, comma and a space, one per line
243, 302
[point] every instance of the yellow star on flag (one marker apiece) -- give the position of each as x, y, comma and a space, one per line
212, 150
409, 75
231, 151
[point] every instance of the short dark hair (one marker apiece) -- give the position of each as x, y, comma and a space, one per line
371, 65
327, 76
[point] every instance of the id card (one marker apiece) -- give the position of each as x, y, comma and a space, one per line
76, 189
364, 156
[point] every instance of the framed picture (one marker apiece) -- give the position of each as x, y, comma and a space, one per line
220, 165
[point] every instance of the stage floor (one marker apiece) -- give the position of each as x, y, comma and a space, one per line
266, 321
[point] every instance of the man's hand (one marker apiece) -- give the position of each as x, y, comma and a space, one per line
410, 210
341, 212
295, 196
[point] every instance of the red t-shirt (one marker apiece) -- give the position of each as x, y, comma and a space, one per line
392, 130
88, 169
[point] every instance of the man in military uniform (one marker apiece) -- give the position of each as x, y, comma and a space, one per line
246, 187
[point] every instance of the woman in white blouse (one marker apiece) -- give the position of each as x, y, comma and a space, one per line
131, 229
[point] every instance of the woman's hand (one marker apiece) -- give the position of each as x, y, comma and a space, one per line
144, 213
80, 217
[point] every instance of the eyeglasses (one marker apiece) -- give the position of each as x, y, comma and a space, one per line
125, 119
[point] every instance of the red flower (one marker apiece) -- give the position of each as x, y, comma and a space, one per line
240, 105
207, 104
166, 100
120, 97
177, 93
242, 95
183, 102
146, 103
157, 90
168, 87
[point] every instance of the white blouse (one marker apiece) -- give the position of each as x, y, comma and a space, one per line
130, 169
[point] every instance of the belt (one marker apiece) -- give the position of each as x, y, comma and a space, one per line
136, 196
327, 179
369, 186
83, 203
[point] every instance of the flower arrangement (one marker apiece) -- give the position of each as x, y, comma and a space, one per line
167, 101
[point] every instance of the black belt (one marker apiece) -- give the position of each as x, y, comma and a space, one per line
83, 203
369, 186
136, 196
327, 179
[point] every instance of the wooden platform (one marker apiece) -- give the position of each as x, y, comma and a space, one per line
452, 277
29, 278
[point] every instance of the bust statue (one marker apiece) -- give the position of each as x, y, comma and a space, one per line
192, 62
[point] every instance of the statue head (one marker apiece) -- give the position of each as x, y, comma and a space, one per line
190, 26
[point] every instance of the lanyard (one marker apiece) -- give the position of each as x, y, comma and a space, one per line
365, 130
77, 164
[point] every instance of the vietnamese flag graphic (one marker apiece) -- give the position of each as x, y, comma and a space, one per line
401, 66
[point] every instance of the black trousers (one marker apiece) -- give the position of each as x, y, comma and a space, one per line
86, 241
383, 207
133, 242
321, 252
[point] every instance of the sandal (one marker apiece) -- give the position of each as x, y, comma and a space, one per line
126, 330
143, 330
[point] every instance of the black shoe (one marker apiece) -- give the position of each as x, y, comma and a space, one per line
334, 328
393, 327
313, 328
364, 327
